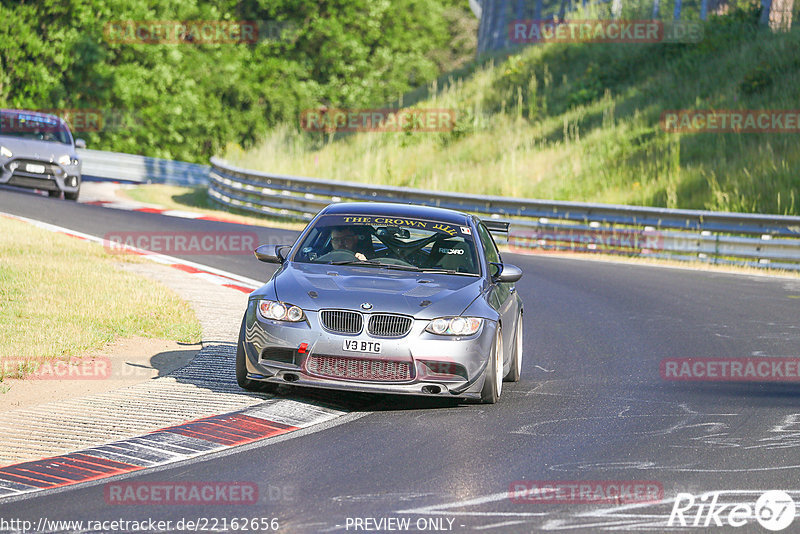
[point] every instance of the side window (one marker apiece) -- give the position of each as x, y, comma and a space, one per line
492, 256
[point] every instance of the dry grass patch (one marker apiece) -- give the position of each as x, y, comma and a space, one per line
61, 297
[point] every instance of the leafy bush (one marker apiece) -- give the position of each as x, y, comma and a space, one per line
187, 101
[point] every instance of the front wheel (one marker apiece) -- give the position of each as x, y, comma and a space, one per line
241, 369
493, 381
54, 194
72, 196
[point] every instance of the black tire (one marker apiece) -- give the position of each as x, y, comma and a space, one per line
241, 370
54, 194
493, 383
516, 361
72, 196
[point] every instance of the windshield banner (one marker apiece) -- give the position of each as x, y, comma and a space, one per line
381, 220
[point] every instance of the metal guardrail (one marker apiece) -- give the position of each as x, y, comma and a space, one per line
98, 164
691, 235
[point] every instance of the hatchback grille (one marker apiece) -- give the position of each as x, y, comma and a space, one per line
389, 325
22, 164
359, 369
342, 322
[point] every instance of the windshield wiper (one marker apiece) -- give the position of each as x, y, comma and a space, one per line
354, 262
445, 271
402, 267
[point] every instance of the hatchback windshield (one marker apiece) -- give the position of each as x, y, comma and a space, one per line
396, 242
36, 127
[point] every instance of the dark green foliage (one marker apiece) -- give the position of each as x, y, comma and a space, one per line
187, 101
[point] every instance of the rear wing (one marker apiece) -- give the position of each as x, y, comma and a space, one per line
496, 226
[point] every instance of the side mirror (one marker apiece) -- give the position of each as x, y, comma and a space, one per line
80, 143
271, 253
506, 273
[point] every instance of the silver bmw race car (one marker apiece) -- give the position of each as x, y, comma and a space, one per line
386, 298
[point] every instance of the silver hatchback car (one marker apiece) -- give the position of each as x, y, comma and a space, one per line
37, 151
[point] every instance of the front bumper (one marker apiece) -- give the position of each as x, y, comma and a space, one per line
23, 172
439, 366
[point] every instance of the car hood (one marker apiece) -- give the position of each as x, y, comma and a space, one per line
32, 148
423, 295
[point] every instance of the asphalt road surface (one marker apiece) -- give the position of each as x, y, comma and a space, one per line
591, 406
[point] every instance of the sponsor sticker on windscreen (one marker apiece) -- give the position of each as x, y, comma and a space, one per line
355, 345
405, 222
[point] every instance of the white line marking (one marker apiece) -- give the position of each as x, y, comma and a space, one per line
503, 524
182, 214
495, 497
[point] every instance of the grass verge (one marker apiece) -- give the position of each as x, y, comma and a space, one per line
62, 297
582, 122
195, 199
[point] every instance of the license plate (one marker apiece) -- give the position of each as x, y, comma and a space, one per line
355, 345
30, 167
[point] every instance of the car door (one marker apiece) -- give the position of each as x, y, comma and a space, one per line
501, 296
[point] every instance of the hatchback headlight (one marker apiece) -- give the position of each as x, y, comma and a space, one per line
67, 160
6, 153
454, 326
280, 311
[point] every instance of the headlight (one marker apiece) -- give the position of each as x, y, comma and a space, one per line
5, 152
280, 311
454, 326
67, 160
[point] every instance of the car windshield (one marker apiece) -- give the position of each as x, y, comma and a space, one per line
390, 242
36, 127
